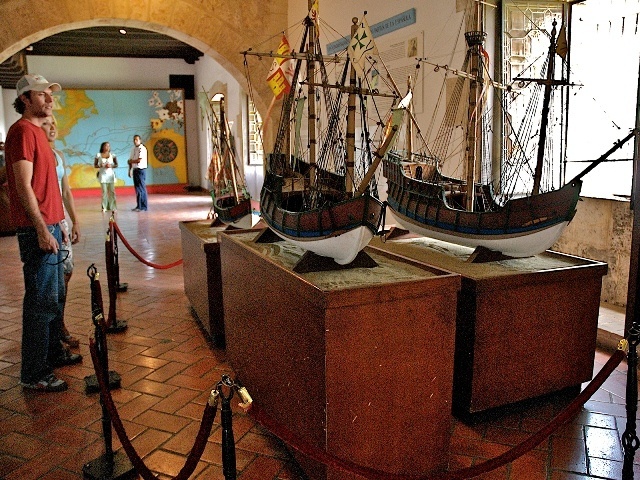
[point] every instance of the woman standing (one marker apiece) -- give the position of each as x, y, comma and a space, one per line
72, 236
106, 162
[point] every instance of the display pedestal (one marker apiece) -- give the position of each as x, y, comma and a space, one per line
202, 278
6, 227
525, 327
356, 362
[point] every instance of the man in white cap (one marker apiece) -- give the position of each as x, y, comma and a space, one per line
36, 211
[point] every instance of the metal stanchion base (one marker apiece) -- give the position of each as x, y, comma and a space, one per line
122, 287
117, 326
102, 469
92, 385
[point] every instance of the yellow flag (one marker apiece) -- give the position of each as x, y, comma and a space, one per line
314, 16
281, 73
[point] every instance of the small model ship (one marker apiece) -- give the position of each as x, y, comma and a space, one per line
320, 191
231, 199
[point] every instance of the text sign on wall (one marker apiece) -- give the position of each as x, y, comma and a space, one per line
389, 25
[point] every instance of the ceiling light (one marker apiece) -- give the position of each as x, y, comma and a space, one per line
123, 31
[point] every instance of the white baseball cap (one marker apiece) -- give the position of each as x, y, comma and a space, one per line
37, 83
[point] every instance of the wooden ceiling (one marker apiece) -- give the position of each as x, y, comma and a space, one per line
98, 42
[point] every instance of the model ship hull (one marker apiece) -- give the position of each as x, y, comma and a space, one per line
338, 231
520, 228
231, 212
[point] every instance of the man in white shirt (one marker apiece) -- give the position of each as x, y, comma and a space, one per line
138, 167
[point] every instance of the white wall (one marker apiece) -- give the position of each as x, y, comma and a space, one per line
212, 78
437, 20
125, 73
9, 115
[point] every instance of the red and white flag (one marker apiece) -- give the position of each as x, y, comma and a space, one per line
281, 74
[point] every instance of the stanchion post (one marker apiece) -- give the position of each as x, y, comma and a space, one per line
226, 421
228, 442
110, 465
113, 324
630, 441
101, 342
91, 381
120, 287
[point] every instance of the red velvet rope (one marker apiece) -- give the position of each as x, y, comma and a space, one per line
321, 456
196, 451
135, 254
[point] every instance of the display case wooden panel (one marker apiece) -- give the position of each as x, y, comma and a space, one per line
202, 275
6, 227
525, 327
359, 362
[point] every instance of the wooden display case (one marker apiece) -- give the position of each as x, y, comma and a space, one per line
525, 327
202, 276
358, 362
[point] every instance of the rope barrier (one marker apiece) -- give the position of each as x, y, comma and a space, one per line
313, 452
201, 438
321, 456
135, 254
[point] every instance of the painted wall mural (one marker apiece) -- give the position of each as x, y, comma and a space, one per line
86, 118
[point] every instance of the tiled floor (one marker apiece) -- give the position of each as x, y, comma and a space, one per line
168, 368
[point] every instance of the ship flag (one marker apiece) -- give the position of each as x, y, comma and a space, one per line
314, 16
281, 73
360, 47
562, 48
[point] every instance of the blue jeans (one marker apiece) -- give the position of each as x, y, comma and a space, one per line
44, 297
140, 184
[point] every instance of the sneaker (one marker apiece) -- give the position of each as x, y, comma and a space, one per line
135, 209
70, 340
50, 383
67, 358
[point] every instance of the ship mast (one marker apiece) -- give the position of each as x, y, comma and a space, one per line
225, 149
537, 176
409, 139
351, 118
475, 41
311, 69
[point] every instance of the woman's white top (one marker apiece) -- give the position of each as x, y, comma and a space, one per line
106, 175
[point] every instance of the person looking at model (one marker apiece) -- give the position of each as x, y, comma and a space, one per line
50, 128
36, 211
